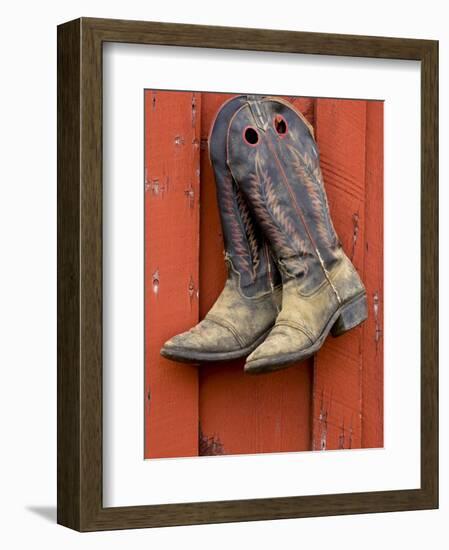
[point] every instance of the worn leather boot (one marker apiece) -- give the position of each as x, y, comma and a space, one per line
247, 307
273, 156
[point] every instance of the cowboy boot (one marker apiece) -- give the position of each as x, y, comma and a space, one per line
247, 307
273, 156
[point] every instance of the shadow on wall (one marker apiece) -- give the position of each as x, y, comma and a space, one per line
46, 512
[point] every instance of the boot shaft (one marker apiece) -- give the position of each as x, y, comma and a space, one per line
274, 158
246, 250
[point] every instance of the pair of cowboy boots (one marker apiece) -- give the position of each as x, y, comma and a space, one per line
289, 281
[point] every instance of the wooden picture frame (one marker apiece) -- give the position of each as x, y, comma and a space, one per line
80, 481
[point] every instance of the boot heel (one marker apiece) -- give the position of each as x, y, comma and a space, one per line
352, 315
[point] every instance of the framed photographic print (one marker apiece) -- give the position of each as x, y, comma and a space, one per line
247, 274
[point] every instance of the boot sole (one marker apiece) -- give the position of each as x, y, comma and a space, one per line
347, 317
182, 355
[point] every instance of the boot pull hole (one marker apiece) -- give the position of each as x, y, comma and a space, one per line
280, 125
250, 135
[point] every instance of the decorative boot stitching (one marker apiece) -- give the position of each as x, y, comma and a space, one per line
272, 217
296, 326
224, 324
301, 216
250, 231
237, 234
311, 176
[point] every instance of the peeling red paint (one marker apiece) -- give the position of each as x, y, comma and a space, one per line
378, 331
355, 234
171, 258
155, 281
190, 194
193, 110
280, 411
210, 445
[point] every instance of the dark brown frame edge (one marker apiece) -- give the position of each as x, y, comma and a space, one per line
80, 274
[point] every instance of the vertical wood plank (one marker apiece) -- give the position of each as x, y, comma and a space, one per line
212, 267
372, 387
241, 413
317, 404
172, 131
337, 389
306, 105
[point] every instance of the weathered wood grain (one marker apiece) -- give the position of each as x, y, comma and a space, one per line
373, 329
241, 413
337, 385
172, 186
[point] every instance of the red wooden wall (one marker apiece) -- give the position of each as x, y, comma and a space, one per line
172, 189
332, 401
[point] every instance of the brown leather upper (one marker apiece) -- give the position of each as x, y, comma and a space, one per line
274, 158
246, 250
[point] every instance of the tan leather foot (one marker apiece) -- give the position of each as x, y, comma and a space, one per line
206, 337
280, 344
233, 328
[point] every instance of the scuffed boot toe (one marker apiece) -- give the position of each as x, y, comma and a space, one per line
207, 341
284, 345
